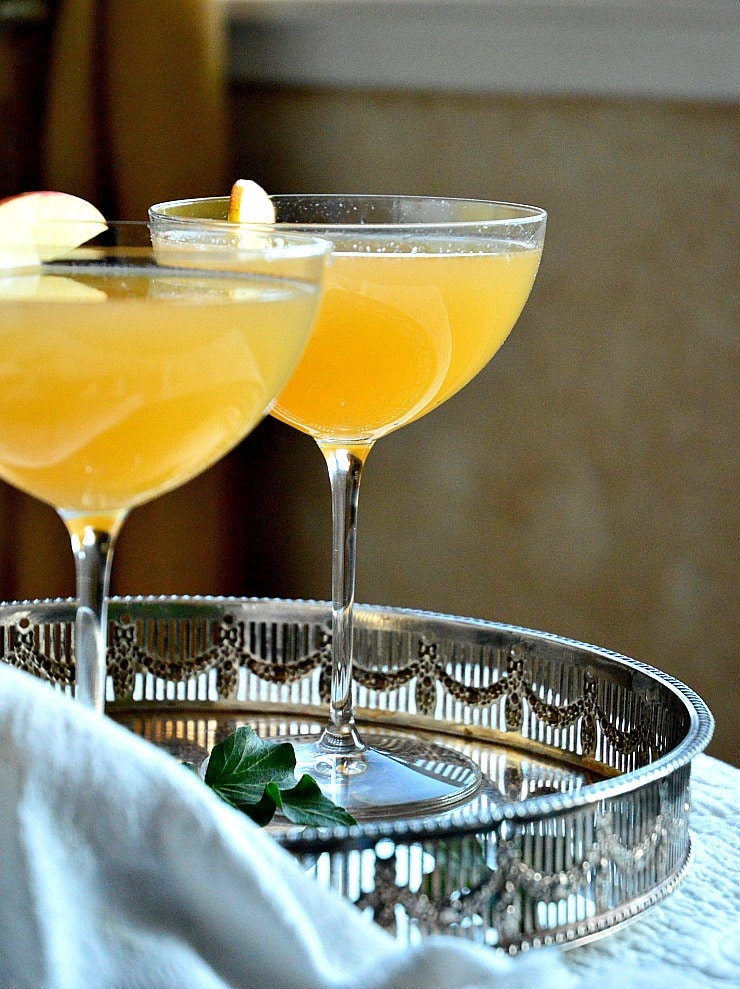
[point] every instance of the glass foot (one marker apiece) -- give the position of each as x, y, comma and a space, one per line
395, 776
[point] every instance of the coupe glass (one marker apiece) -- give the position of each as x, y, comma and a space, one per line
420, 293
129, 367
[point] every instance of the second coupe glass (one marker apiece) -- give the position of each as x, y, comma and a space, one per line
420, 293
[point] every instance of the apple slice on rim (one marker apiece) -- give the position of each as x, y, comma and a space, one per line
40, 226
249, 203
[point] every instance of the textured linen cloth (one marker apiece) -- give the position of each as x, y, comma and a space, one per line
692, 939
120, 870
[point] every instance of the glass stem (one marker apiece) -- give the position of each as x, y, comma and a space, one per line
340, 737
93, 552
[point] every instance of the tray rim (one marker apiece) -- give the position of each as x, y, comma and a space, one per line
456, 823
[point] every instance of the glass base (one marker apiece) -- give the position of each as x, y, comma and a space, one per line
394, 776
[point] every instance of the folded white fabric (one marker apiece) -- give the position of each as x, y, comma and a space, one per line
121, 870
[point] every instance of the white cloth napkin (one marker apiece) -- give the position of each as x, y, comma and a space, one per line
121, 870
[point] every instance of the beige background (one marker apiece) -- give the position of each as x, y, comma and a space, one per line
586, 482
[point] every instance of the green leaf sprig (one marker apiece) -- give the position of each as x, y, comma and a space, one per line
257, 776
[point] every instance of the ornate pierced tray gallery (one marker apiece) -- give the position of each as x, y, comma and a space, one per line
582, 821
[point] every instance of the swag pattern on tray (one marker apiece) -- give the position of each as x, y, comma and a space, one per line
427, 674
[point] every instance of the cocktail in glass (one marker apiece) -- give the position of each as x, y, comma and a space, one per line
420, 294
129, 368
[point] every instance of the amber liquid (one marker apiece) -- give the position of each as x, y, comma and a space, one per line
399, 333
116, 387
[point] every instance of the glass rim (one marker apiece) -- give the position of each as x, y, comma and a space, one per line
271, 241
533, 215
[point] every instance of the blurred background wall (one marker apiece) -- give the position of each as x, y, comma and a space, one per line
586, 482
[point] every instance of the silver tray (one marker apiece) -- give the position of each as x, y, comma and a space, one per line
582, 823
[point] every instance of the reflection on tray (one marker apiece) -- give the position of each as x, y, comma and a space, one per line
509, 775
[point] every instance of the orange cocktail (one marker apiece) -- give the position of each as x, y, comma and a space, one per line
399, 333
117, 384
420, 293
129, 362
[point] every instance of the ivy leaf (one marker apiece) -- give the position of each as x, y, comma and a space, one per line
263, 811
240, 767
304, 803
257, 776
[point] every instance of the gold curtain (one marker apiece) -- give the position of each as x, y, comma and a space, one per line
136, 113
136, 106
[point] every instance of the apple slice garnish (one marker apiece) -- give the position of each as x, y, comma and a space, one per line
40, 226
249, 203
